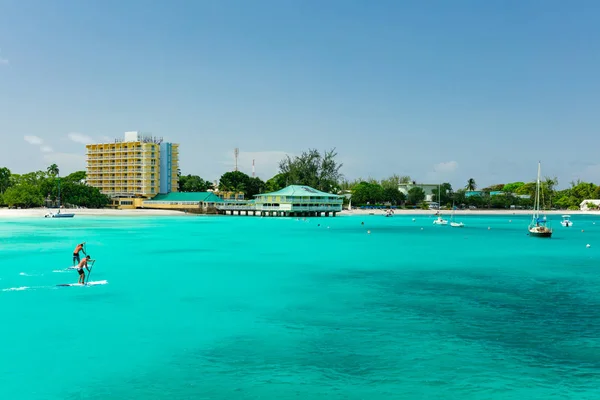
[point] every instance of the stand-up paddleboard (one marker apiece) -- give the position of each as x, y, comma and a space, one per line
92, 283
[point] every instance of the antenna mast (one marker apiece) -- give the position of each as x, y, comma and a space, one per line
253, 169
236, 153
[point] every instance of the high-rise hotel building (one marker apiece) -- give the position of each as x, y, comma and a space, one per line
138, 166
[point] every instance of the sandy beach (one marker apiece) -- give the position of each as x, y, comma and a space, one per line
40, 212
467, 212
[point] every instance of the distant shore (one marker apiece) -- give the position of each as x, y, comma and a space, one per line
468, 212
92, 212
106, 212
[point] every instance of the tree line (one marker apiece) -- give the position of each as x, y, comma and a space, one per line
36, 189
321, 171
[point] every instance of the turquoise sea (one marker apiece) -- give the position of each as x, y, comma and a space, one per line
278, 308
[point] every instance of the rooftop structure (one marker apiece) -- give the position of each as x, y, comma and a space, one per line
294, 200
196, 202
139, 165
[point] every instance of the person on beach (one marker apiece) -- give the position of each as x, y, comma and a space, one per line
78, 249
82, 264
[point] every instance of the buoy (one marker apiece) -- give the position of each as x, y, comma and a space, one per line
510, 220
588, 245
489, 228
421, 228
414, 219
369, 232
582, 230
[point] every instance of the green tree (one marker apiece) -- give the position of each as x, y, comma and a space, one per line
53, 170
471, 185
512, 187
312, 169
415, 195
393, 195
445, 194
367, 193
392, 182
193, 183
4, 179
24, 195
237, 181
76, 177
254, 186
276, 183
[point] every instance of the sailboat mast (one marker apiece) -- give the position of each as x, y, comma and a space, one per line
537, 192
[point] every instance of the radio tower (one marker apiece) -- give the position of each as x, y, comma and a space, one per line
253, 170
236, 153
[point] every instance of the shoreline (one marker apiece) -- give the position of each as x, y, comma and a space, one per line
467, 212
87, 212
107, 212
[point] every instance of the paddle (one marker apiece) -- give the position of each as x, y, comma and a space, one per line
90, 271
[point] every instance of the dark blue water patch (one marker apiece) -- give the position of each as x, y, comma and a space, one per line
537, 318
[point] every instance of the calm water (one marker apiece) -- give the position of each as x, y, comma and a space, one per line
251, 308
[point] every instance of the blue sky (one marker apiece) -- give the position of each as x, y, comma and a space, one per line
438, 90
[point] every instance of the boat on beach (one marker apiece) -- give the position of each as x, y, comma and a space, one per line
59, 214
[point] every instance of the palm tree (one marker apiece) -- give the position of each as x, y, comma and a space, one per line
471, 185
53, 170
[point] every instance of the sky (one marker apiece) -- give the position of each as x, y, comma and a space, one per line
438, 90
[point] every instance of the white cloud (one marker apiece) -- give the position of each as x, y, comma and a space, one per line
46, 149
446, 167
80, 138
34, 140
266, 162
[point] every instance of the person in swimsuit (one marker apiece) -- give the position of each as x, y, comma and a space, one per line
78, 249
83, 264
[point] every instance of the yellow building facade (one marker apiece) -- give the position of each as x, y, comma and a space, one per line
138, 166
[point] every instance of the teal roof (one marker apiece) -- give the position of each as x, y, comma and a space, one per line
207, 197
298, 190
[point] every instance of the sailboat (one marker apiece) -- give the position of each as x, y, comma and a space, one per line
440, 220
452, 222
538, 227
59, 214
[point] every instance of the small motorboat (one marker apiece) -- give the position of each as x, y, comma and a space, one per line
59, 215
440, 221
566, 221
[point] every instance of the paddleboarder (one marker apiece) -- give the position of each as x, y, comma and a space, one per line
76, 252
83, 264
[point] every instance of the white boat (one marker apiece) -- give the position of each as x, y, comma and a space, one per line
453, 223
566, 221
59, 215
538, 225
439, 220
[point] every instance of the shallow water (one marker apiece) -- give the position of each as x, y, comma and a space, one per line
261, 308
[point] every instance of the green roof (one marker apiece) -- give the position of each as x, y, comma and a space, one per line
206, 197
298, 190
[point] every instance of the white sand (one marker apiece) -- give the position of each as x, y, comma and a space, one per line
40, 212
468, 212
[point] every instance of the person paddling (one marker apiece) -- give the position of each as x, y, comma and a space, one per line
78, 249
83, 264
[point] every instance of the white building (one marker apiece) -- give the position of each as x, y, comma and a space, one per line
584, 204
428, 188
